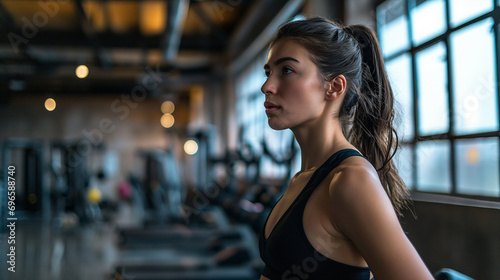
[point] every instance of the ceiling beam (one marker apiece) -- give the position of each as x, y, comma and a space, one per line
247, 23
191, 1
106, 12
219, 35
89, 32
18, 42
71, 39
6, 18
176, 14
259, 43
102, 81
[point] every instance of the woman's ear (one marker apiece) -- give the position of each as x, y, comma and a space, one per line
336, 87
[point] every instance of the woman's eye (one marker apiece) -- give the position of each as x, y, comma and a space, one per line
286, 70
266, 73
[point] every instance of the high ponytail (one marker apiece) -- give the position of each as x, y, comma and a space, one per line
367, 112
372, 130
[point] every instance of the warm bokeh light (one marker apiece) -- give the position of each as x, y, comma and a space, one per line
473, 156
190, 147
50, 104
167, 121
82, 71
95, 12
167, 107
122, 15
152, 16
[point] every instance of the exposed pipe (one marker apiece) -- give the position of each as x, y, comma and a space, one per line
245, 26
176, 14
88, 30
257, 45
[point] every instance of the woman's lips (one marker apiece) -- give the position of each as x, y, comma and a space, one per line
271, 107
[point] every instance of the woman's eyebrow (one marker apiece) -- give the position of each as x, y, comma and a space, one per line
281, 60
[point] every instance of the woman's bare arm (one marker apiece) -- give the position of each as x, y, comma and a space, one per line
364, 214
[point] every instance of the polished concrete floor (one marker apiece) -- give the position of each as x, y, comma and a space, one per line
48, 252
45, 250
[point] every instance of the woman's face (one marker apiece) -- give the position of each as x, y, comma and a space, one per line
295, 94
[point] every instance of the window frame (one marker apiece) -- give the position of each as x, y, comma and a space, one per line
450, 136
269, 170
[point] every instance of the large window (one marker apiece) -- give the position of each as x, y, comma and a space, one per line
252, 120
442, 60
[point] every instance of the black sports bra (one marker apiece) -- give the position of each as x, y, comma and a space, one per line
288, 254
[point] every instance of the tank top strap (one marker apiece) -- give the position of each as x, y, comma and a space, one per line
320, 174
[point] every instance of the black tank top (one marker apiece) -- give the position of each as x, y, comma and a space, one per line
288, 254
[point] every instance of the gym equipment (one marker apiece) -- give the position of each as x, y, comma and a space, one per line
94, 195
27, 157
162, 197
237, 258
125, 191
222, 273
450, 274
212, 234
206, 247
249, 198
210, 239
180, 252
162, 187
269, 195
204, 137
74, 188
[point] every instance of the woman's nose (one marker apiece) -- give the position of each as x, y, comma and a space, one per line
268, 87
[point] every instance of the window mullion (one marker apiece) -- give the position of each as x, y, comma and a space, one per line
415, 98
451, 116
496, 38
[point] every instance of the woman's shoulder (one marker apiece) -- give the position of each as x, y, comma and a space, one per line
354, 168
353, 179
357, 197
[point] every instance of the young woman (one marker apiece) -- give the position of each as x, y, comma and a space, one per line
338, 217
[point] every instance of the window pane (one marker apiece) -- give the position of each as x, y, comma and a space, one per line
464, 10
279, 143
477, 166
249, 100
428, 19
432, 90
392, 25
475, 99
404, 163
433, 166
399, 72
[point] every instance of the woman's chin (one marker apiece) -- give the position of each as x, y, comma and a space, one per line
276, 126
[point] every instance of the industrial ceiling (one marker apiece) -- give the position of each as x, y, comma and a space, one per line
123, 43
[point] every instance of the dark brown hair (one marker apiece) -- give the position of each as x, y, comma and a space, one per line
367, 111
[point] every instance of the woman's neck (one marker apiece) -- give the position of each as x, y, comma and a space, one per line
319, 141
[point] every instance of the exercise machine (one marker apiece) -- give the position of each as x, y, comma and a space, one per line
73, 192
27, 159
237, 259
